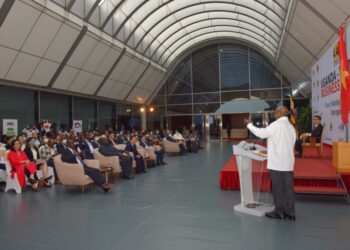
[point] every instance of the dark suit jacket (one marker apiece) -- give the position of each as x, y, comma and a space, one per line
120, 140
84, 146
95, 144
30, 155
168, 138
143, 144
132, 148
60, 147
108, 150
68, 157
317, 132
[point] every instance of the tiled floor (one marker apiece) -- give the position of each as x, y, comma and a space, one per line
179, 206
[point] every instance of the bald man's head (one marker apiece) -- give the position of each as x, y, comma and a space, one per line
280, 112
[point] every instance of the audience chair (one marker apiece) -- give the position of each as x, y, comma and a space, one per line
310, 142
120, 146
106, 161
171, 147
73, 174
10, 183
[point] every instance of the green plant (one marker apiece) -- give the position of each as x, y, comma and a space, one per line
304, 119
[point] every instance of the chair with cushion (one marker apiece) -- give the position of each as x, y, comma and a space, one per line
311, 142
11, 183
73, 174
171, 147
120, 146
106, 161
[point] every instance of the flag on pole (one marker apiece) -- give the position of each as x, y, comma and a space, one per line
293, 115
344, 78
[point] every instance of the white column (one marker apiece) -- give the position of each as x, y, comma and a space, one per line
143, 120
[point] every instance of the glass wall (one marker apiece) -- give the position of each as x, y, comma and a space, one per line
55, 107
221, 79
30, 107
17, 104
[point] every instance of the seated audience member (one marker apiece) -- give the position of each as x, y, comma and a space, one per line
86, 147
22, 141
316, 132
148, 152
60, 144
69, 155
27, 131
35, 139
171, 139
112, 139
120, 138
131, 147
46, 152
157, 150
33, 156
20, 163
125, 158
95, 142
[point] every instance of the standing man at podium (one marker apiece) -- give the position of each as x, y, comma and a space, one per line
281, 137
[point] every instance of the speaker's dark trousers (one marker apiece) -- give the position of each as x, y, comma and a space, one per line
283, 191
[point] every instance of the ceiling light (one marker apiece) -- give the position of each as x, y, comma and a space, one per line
101, 2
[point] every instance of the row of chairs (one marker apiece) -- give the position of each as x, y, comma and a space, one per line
71, 174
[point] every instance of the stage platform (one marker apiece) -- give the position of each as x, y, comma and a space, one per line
312, 175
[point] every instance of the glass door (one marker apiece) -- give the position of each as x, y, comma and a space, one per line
213, 126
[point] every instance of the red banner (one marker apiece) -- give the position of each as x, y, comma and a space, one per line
344, 78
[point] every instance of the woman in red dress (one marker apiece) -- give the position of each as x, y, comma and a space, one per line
20, 163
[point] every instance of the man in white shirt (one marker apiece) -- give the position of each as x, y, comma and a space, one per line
281, 137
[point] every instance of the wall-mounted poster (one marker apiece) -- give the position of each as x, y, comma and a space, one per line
325, 80
10, 127
78, 126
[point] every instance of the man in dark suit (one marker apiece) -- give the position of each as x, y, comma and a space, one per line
316, 132
59, 144
86, 148
69, 155
131, 147
125, 159
158, 152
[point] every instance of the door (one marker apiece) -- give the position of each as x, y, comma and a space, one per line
213, 126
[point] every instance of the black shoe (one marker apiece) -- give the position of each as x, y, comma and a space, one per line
289, 217
164, 163
274, 215
48, 178
144, 171
32, 181
298, 155
138, 172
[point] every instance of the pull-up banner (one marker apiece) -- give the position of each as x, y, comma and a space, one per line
325, 80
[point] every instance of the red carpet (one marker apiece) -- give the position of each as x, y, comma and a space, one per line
312, 175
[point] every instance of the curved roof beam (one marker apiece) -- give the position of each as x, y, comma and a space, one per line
129, 16
110, 15
206, 27
147, 16
214, 34
189, 16
205, 20
222, 3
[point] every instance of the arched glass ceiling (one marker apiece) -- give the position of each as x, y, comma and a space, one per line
162, 29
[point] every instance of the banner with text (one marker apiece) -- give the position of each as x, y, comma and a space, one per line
325, 80
10, 127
